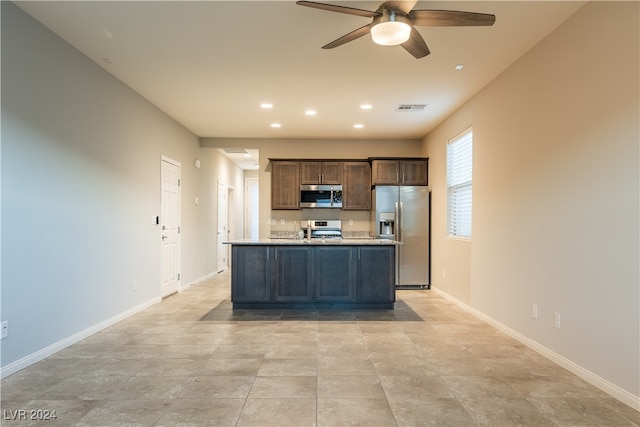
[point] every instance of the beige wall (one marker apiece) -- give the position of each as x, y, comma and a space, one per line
310, 149
556, 189
450, 258
81, 159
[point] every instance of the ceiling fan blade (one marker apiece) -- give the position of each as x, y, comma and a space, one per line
403, 6
416, 45
340, 9
349, 37
450, 18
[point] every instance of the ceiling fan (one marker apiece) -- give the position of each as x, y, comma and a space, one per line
394, 23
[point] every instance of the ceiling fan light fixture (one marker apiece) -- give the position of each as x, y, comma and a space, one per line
390, 29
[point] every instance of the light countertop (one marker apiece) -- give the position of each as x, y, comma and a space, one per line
347, 242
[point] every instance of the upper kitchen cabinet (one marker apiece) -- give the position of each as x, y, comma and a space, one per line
285, 185
400, 171
356, 186
320, 173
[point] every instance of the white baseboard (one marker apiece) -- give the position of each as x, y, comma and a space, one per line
593, 379
203, 278
39, 355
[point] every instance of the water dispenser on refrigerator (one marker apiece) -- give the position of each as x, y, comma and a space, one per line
387, 224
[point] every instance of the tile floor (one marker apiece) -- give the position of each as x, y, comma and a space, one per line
192, 361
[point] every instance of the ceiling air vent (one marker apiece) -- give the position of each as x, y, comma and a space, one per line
234, 150
411, 107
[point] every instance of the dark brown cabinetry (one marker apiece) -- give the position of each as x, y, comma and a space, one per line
320, 173
355, 176
356, 186
399, 171
285, 185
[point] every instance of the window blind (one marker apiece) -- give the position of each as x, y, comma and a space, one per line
459, 184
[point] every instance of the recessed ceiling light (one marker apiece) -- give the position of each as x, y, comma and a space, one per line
275, 125
458, 67
310, 112
358, 126
266, 105
366, 106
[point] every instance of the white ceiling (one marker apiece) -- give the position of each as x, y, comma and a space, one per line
210, 64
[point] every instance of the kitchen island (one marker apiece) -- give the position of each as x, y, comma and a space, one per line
316, 273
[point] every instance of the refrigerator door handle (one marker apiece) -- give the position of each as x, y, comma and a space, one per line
400, 221
396, 220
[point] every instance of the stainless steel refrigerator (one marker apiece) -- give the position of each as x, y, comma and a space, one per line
402, 213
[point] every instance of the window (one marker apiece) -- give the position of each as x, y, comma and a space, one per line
459, 179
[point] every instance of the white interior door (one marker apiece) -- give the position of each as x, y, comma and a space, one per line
170, 221
223, 213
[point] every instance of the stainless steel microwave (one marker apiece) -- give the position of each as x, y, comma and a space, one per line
321, 196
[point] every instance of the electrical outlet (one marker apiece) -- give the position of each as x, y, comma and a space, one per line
4, 326
556, 320
534, 311
135, 286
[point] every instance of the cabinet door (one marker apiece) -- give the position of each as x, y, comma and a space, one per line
376, 273
385, 172
285, 185
251, 273
320, 172
414, 172
334, 275
310, 172
293, 273
332, 172
356, 187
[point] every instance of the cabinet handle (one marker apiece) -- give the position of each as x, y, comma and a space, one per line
268, 254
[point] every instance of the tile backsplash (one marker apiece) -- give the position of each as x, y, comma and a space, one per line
287, 229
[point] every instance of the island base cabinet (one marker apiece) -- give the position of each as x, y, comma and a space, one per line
292, 276
313, 276
251, 273
334, 273
376, 270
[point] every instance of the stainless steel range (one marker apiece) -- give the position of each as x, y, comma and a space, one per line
322, 229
